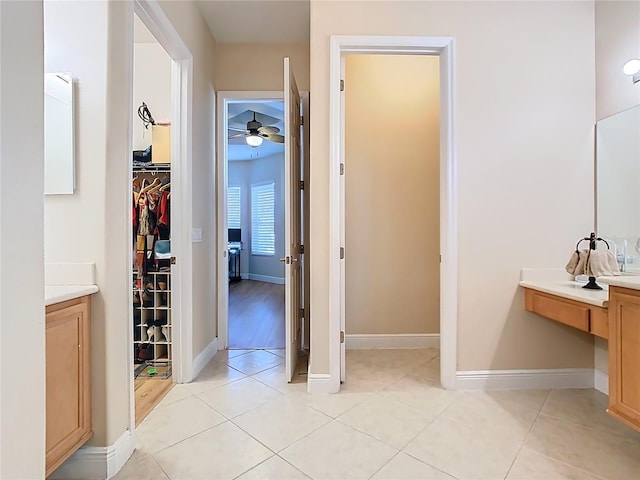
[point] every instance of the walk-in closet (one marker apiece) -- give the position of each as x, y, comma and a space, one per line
152, 306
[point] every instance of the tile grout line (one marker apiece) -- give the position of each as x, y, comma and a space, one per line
526, 437
385, 464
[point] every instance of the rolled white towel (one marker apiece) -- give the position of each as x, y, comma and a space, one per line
602, 263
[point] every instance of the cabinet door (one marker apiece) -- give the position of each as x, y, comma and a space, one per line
624, 355
68, 380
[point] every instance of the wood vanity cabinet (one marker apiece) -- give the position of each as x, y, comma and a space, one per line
580, 315
68, 384
624, 355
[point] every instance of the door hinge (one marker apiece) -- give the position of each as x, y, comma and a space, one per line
301, 120
341, 253
301, 248
341, 337
173, 260
341, 85
301, 184
302, 313
342, 169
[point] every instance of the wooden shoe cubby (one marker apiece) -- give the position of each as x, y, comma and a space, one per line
153, 326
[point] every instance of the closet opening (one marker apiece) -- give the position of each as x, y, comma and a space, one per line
354, 200
391, 216
154, 317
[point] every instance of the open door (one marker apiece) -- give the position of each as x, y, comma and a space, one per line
293, 197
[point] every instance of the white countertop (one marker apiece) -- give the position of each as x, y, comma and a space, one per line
573, 290
60, 293
627, 281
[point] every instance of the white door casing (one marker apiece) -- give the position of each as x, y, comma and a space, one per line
443, 47
154, 18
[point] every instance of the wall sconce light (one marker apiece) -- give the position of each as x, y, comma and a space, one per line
632, 68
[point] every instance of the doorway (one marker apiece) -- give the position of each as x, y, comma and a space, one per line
255, 225
234, 256
161, 321
443, 48
391, 206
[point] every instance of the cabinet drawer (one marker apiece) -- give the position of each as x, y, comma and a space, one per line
599, 322
572, 314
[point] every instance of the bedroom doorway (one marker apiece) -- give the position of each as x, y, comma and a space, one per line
255, 245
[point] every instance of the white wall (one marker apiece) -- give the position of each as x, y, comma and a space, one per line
92, 225
524, 115
22, 333
259, 67
151, 85
617, 26
246, 173
188, 22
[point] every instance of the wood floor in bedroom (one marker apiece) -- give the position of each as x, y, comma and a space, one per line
256, 315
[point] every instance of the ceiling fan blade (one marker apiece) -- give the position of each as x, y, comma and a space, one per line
274, 137
238, 135
268, 130
237, 129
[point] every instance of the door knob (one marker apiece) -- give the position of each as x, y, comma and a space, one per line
286, 260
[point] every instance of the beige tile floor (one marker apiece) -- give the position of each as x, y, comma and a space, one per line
240, 419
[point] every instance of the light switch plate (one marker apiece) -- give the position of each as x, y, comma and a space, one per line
196, 235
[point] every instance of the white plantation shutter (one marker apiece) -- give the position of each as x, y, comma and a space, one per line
233, 207
263, 238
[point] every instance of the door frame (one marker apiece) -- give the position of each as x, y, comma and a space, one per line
224, 99
154, 18
444, 48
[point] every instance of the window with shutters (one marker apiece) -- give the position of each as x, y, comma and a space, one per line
233, 207
263, 238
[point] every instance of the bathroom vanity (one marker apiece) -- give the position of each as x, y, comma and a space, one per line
68, 371
613, 314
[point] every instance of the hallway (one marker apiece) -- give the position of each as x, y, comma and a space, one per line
240, 419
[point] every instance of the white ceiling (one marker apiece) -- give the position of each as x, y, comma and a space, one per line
238, 117
257, 21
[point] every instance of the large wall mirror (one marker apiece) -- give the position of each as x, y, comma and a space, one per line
59, 176
618, 185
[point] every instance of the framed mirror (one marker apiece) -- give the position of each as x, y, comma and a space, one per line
59, 174
618, 185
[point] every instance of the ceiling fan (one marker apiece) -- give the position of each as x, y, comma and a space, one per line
256, 133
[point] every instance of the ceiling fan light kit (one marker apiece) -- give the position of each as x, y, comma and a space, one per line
254, 140
255, 133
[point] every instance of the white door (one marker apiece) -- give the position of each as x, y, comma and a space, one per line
292, 219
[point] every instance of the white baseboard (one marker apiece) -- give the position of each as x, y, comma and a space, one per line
266, 278
319, 383
244, 275
525, 379
371, 341
601, 381
204, 357
97, 463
